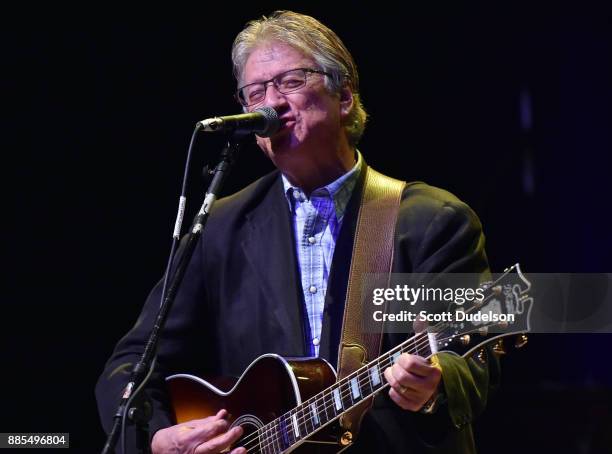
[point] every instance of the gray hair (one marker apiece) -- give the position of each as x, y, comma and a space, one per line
314, 39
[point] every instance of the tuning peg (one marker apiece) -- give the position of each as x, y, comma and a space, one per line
499, 348
497, 289
483, 331
346, 438
521, 341
465, 340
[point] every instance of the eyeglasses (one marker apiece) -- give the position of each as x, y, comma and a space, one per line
285, 83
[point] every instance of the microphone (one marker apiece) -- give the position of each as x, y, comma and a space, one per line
263, 121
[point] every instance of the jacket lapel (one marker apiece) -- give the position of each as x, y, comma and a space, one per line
270, 252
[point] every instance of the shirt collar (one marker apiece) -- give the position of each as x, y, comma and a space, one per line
339, 190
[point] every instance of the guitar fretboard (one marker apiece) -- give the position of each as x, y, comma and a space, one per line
328, 405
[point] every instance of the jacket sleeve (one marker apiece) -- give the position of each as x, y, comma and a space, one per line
453, 242
437, 233
179, 339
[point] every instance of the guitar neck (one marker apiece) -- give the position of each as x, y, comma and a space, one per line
325, 407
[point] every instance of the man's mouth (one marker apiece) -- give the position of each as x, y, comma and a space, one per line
287, 122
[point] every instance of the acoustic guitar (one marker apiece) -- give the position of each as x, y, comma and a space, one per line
287, 404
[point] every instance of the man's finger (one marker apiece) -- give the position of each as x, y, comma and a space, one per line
208, 431
392, 379
220, 442
402, 401
416, 365
402, 380
197, 422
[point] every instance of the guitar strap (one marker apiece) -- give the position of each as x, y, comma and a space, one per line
372, 253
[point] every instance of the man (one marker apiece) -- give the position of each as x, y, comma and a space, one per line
275, 276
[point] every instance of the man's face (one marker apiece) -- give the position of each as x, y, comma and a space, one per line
311, 118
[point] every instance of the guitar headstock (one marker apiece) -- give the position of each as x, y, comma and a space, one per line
504, 310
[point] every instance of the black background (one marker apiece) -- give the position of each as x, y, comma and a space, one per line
99, 108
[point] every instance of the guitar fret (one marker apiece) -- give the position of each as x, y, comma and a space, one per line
291, 429
337, 400
306, 424
282, 436
264, 441
284, 433
365, 386
415, 345
374, 376
315, 414
271, 445
328, 405
346, 396
355, 388
296, 428
276, 439
432, 345
395, 356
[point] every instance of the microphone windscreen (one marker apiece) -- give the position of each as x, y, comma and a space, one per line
272, 122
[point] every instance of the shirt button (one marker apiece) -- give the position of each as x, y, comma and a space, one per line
312, 289
316, 341
312, 240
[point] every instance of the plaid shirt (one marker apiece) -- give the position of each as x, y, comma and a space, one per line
316, 223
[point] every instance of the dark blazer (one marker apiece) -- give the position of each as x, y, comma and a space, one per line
241, 298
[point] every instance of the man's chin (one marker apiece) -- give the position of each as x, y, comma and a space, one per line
283, 142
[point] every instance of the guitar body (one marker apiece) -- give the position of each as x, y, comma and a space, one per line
269, 387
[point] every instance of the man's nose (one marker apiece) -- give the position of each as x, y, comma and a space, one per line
274, 98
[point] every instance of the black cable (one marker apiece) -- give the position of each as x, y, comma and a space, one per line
175, 241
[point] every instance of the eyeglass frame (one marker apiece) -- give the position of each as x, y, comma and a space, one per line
266, 82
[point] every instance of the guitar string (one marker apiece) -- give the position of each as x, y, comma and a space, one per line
266, 438
269, 439
272, 426
273, 440
363, 377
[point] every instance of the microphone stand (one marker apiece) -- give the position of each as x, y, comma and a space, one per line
140, 411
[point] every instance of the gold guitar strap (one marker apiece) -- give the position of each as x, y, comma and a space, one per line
372, 253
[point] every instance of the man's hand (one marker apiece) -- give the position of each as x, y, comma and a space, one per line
413, 381
200, 436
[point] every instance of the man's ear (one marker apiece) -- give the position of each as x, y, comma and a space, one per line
346, 101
